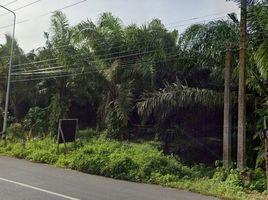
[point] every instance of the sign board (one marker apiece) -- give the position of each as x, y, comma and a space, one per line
67, 131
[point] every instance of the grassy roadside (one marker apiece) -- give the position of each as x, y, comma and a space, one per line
139, 163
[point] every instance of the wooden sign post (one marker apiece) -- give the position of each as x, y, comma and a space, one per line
67, 130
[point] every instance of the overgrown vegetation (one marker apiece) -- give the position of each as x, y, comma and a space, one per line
128, 161
141, 83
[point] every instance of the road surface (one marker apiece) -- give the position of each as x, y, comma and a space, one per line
23, 180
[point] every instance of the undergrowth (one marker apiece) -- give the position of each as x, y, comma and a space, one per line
139, 163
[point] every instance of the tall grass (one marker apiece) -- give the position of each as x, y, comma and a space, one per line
140, 163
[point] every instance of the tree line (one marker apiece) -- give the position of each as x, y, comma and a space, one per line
137, 81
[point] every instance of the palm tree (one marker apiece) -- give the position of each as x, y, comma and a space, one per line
198, 74
19, 95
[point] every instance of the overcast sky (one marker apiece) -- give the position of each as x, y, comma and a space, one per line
29, 33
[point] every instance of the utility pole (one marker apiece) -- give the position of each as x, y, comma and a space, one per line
241, 142
266, 151
227, 123
9, 72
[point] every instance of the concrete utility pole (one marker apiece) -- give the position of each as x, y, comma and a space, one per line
9, 72
241, 142
227, 123
266, 151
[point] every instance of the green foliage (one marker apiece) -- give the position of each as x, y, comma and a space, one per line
42, 156
86, 134
220, 174
57, 110
174, 96
124, 160
36, 121
14, 130
258, 181
234, 178
121, 71
116, 129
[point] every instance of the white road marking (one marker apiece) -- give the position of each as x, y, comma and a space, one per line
39, 189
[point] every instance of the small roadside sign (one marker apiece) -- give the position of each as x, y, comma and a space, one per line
67, 131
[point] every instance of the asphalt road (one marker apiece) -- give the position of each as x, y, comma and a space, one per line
23, 180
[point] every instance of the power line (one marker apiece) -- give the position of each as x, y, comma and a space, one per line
63, 8
36, 62
22, 7
49, 69
7, 4
54, 59
72, 74
106, 59
42, 15
129, 62
23, 21
124, 65
35, 18
132, 61
126, 44
203, 16
17, 68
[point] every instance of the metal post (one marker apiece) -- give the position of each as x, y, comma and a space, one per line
227, 123
9, 72
266, 151
241, 141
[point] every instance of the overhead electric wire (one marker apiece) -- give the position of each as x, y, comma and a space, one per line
22, 7
18, 65
35, 62
123, 64
92, 71
63, 8
67, 75
106, 59
119, 52
154, 30
38, 68
203, 16
71, 5
132, 61
42, 15
80, 73
198, 22
35, 67
7, 4
125, 45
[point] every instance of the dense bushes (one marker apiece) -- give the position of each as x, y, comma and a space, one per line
35, 120
137, 162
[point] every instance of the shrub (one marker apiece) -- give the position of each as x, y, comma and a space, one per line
234, 178
121, 167
87, 134
138, 162
42, 156
258, 180
90, 164
14, 131
36, 121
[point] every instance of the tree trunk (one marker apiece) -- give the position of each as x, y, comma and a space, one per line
227, 113
241, 142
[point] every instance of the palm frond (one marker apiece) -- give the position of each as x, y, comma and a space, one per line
261, 59
175, 96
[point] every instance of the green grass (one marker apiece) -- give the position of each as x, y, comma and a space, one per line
138, 163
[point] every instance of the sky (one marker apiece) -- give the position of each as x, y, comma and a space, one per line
34, 20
